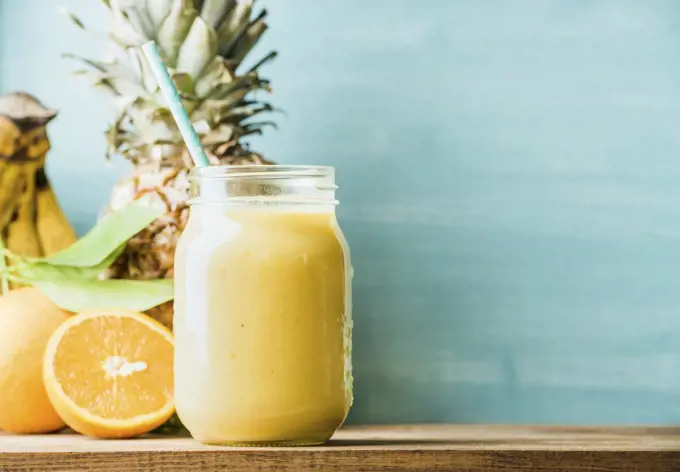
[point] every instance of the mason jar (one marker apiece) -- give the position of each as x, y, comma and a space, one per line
263, 307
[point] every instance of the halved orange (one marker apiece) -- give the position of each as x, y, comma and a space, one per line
109, 373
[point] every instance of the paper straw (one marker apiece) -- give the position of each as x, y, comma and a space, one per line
171, 96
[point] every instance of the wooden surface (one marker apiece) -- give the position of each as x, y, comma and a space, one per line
397, 448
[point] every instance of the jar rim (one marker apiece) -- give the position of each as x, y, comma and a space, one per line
258, 171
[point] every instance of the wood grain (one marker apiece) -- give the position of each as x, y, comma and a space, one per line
389, 448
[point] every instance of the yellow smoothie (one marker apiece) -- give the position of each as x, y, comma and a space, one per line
262, 324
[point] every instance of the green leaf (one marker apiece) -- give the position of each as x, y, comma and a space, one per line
172, 426
39, 270
83, 295
112, 231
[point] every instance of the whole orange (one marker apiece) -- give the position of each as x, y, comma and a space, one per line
27, 320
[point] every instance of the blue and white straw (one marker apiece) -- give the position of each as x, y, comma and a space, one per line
171, 95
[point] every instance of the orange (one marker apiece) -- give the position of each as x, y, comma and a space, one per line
109, 373
27, 319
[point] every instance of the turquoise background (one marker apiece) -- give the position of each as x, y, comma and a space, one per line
510, 186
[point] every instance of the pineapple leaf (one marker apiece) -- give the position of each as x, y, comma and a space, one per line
198, 49
123, 87
140, 21
202, 127
175, 28
257, 126
218, 106
217, 73
235, 115
239, 88
218, 135
112, 140
158, 11
77, 21
123, 104
96, 80
116, 85
113, 133
185, 85
268, 58
214, 11
143, 70
233, 26
121, 79
151, 124
203, 52
249, 39
122, 29
109, 69
158, 134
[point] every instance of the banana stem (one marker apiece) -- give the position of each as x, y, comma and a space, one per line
8, 273
4, 282
16, 279
6, 253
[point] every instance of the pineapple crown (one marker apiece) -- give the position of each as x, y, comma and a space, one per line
203, 43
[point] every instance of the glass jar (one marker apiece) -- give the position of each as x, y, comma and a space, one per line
263, 307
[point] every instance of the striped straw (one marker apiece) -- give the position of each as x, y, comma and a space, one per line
171, 96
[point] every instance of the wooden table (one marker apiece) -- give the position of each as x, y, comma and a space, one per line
364, 449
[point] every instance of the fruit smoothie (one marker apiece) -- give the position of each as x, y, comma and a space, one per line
262, 324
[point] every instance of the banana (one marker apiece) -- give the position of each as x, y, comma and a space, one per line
22, 233
54, 230
12, 180
31, 222
9, 136
36, 143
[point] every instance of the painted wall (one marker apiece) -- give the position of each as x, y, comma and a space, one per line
510, 185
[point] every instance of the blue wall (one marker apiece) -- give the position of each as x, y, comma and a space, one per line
510, 185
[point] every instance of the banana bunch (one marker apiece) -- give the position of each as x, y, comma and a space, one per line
32, 223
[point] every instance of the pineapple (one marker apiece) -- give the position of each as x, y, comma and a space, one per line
204, 44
